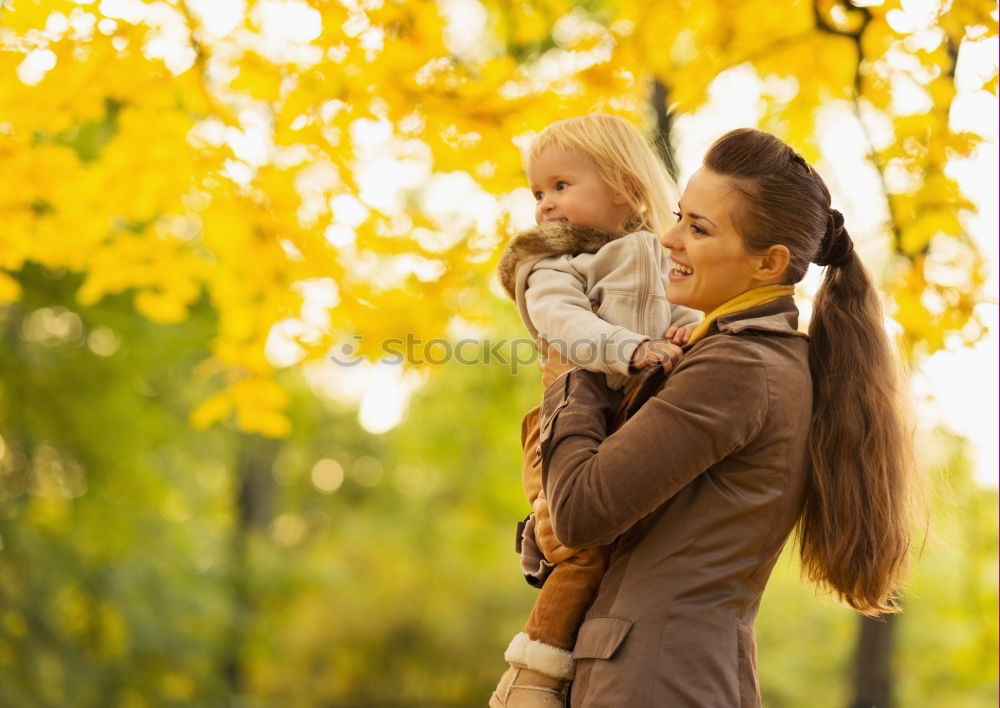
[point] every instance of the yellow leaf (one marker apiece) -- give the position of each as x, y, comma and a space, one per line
917, 236
10, 289
160, 306
20, 16
267, 423
113, 636
258, 77
260, 392
211, 410
942, 91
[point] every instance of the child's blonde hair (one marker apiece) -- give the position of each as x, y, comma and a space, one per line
625, 160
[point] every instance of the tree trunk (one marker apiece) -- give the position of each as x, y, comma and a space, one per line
252, 513
873, 663
664, 126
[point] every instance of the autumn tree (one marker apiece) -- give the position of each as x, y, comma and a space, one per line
233, 158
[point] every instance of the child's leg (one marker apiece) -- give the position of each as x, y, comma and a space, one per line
570, 588
565, 597
531, 479
531, 470
540, 658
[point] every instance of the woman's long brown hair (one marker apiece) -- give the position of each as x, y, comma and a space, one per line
855, 530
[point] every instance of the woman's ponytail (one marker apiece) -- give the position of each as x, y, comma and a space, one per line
854, 532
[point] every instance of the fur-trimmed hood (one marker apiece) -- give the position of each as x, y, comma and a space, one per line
552, 238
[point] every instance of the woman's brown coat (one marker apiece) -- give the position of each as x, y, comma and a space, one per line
701, 487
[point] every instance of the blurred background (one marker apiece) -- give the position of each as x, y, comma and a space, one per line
260, 394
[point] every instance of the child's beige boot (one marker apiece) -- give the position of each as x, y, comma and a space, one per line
538, 677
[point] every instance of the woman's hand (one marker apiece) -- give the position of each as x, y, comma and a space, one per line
552, 363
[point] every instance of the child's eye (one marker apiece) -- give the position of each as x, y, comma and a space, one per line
538, 196
561, 185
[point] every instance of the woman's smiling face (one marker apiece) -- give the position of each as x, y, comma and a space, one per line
710, 263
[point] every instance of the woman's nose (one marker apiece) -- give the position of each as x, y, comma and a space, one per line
669, 239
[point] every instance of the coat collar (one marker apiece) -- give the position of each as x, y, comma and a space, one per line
779, 316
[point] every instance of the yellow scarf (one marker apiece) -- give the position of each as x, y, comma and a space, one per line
743, 301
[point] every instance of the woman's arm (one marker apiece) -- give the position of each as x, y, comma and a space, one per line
598, 486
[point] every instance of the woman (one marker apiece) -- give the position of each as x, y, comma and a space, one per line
757, 429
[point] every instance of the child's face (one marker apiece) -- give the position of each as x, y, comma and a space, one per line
568, 188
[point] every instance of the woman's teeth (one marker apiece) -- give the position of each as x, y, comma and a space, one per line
683, 269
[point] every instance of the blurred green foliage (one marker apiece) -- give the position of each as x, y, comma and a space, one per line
146, 564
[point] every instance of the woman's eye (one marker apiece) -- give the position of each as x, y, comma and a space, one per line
695, 229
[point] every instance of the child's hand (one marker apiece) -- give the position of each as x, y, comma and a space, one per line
678, 335
656, 352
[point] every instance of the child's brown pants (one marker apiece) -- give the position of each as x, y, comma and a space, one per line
570, 588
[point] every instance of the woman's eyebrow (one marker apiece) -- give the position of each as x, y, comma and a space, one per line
692, 215
702, 218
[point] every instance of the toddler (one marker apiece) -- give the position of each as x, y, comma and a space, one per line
589, 280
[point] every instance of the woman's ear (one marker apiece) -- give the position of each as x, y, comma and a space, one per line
774, 263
